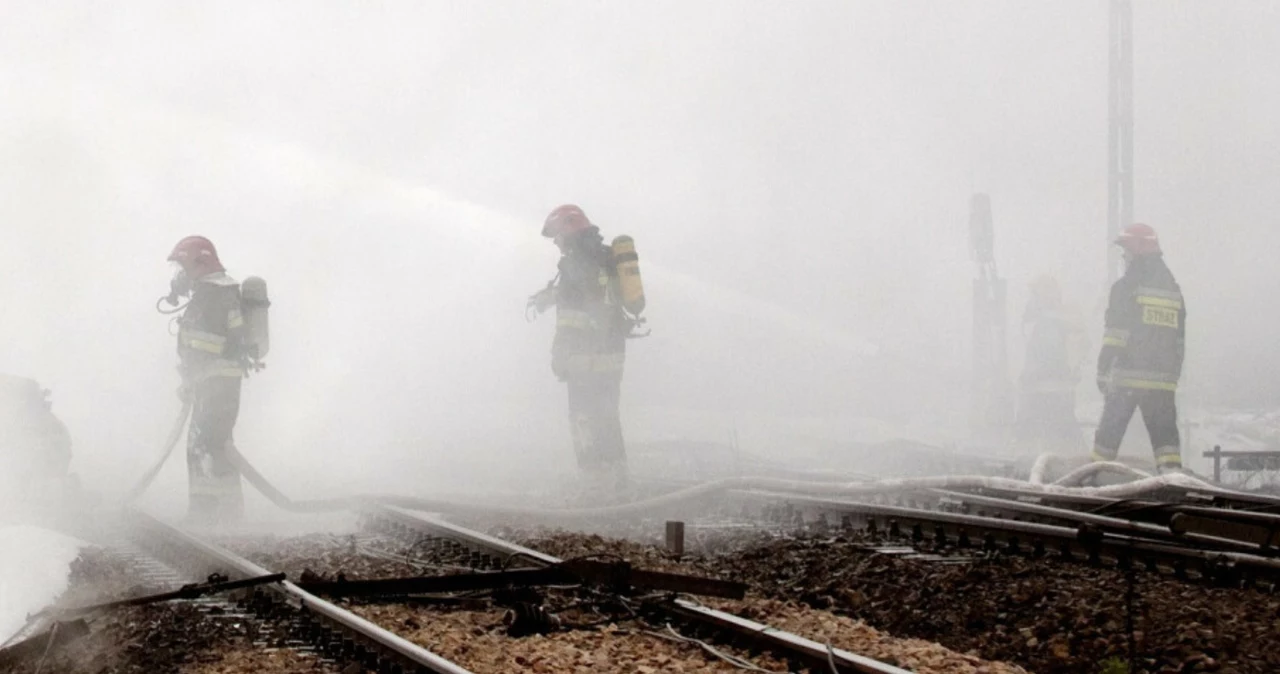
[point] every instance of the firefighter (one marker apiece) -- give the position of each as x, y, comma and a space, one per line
589, 347
211, 352
1142, 351
1055, 337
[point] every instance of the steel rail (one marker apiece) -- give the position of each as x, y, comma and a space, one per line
336, 630
403, 520
1253, 521
1171, 496
813, 655
1240, 500
986, 504
1160, 513
818, 657
1262, 519
945, 526
1080, 501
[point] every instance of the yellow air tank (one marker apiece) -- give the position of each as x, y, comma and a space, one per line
627, 263
255, 303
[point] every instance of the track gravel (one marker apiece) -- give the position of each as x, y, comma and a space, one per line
171, 638
1049, 616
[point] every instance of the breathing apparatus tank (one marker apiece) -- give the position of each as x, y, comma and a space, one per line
627, 264
254, 304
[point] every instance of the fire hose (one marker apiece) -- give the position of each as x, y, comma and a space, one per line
847, 490
278, 498
712, 489
251, 474
1073, 478
1066, 485
169, 443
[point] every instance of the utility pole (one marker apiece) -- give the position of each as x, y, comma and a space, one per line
1120, 132
1120, 148
991, 396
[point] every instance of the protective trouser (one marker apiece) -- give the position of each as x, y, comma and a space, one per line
214, 481
1160, 415
1047, 421
595, 424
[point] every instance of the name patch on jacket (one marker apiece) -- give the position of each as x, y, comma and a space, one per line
1160, 316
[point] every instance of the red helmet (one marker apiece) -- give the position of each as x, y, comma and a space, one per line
1139, 239
566, 219
197, 255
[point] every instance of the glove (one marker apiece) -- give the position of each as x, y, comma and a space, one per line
542, 300
1104, 383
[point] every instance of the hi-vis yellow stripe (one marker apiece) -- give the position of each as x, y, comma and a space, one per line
1159, 302
1115, 337
203, 341
570, 318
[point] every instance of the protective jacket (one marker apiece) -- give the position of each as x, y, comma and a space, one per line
1145, 337
591, 326
211, 332
211, 347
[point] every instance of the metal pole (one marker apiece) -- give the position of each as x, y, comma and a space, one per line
991, 409
1120, 131
675, 538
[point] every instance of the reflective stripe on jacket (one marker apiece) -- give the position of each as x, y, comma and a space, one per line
1144, 341
591, 326
211, 330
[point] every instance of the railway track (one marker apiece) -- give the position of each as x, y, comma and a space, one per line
1226, 539
291, 617
118, 567
717, 626
283, 615
1223, 541
333, 631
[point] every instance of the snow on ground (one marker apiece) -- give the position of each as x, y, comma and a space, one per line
34, 565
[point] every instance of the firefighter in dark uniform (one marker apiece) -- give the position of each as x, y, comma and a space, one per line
1055, 337
1142, 352
211, 335
590, 343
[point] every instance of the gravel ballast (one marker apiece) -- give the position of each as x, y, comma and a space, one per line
477, 639
164, 638
1051, 616
1047, 615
